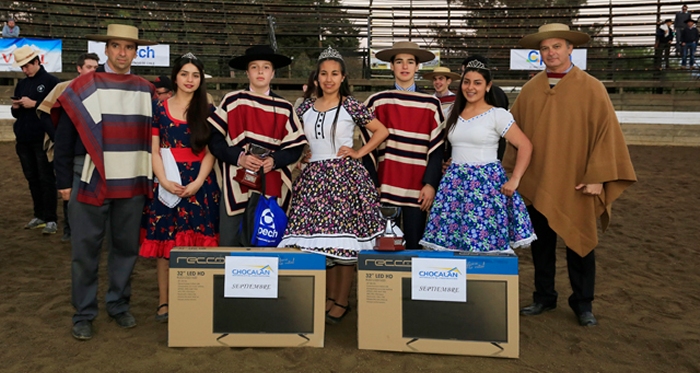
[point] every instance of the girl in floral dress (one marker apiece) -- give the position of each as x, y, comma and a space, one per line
335, 206
180, 135
477, 207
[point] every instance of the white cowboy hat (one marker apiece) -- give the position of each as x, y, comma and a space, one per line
444, 71
405, 47
554, 30
116, 31
23, 55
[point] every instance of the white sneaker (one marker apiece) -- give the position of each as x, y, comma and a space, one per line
35, 223
51, 228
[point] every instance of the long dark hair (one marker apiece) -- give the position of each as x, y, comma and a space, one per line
197, 111
310, 85
344, 91
461, 101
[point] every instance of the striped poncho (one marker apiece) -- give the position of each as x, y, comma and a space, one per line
245, 118
414, 121
112, 114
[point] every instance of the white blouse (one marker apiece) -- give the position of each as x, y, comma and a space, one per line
475, 140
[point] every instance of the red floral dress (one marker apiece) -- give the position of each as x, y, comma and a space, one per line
195, 220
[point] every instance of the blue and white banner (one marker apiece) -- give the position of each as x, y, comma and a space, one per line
153, 55
49, 52
530, 59
251, 277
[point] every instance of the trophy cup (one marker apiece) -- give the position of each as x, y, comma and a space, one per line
249, 178
392, 239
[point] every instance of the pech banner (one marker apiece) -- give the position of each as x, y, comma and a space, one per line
154, 55
49, 52
529, 59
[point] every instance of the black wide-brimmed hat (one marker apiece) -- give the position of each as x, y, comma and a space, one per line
259, 53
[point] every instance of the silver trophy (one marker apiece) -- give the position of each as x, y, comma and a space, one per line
389, 240
250, 178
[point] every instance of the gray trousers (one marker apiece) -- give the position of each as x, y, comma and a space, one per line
229, 227
90, 226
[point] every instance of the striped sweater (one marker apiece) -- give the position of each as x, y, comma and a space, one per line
112, 114
405, 160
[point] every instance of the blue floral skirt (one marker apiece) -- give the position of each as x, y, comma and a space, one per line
471, 214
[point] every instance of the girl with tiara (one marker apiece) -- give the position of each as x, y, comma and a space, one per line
335, 206
477, 207
185, 206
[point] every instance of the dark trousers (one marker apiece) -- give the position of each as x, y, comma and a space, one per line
581, 270
124, 218
66, 221
39, 174
662, 54
412, 219
229, 228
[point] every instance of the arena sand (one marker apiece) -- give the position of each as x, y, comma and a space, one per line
648, 299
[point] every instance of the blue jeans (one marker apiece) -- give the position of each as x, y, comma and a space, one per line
689, 51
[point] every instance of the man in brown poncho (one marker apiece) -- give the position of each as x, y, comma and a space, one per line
580, 165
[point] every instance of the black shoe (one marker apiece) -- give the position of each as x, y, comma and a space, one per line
66, 237
587, 319
124, 319
161, 317
536, 309
82, 330
335, 320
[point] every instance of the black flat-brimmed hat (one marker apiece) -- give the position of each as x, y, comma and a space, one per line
259, 53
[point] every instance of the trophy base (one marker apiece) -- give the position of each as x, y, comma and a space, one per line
389, 244
249, 179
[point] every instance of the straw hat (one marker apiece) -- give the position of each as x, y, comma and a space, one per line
554, 30
444, 71
405, 47
259, 53
116, 31
23, 55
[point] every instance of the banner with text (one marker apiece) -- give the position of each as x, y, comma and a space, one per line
251, 277
377, 64
50, 51
530, 59
439, 279
153, 55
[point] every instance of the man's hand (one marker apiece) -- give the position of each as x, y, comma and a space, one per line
26, 102
250, 162
268, 164
426, 196
445, 165
65, 194
590, 189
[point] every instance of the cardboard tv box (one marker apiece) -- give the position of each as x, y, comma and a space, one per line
200, 315
487, 324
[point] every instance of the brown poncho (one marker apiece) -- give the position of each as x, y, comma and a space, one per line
576, 139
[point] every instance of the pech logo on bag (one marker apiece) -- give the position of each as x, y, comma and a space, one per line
267, 225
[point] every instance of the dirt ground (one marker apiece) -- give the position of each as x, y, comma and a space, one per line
647, 299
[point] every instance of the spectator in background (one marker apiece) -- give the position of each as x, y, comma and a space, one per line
29, 133
164, 88
442, 77
662, 47
11, 30
679, 25
689, 42
86, 63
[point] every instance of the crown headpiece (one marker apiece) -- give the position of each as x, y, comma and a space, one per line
189, 55
476, 64
330, 53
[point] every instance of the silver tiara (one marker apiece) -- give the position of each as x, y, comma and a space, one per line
330, 53
476, 64
189, 55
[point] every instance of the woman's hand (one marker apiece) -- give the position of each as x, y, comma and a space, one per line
172, 187
510, 186
345, 152
190, 189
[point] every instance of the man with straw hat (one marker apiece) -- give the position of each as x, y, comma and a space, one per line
442, 77
580, 165
29, 135
254, 116
409, 163
102, 158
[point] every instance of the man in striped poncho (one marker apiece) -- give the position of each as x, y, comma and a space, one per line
409, 163
103, 167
